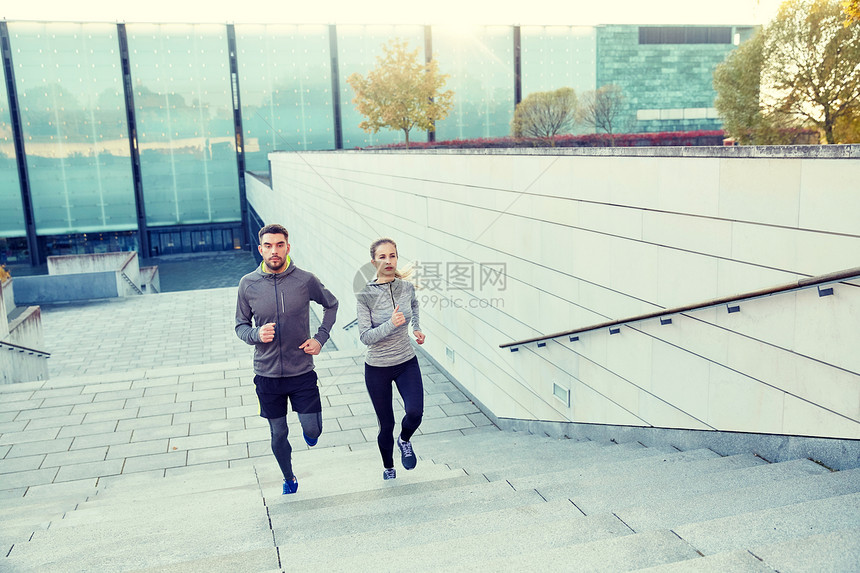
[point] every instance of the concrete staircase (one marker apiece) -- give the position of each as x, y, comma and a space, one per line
484, 500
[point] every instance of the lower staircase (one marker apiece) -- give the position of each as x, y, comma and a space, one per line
486, 500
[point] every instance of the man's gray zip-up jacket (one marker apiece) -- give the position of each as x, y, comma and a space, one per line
387, 345
284, 299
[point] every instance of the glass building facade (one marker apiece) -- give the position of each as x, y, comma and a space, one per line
137, 136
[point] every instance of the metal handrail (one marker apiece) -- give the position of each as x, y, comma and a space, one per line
20, 348
131, 282
808, 282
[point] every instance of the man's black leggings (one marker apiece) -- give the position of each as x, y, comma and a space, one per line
407, 377
312, 428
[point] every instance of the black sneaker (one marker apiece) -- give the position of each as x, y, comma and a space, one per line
407, 456
389, 473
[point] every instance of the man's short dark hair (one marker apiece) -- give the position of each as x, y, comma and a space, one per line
273, 229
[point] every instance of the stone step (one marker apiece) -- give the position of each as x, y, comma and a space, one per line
729, 491
206, 525
456, 502
613, 554
476, 549
509, 465
434, 530
835, 551
773, 525
629, 472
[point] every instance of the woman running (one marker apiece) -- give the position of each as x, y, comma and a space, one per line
386, 306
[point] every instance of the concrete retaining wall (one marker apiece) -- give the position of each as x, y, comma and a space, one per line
25, 330
514, 244
47, 289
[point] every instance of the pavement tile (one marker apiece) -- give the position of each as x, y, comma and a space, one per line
89, 470
213, 393
479, 419
68, 400
148, 422
44, 413
98, 406
353, 422
134, 449
244, 410
455, 396
252, 435
217, 454
199, 441
106, 387
211, 426
201, 416
195, 468
155, 382
332, 412
445, 424
459, 408
171, 389
76, 488
57, 392
11, 465
155, 461
202, 376
105, 427
156, 433
39, 435
437, 399
341, 438
75, 457
28, 478
233, 382
226, 402
14, 393
433, 412
349, 399
94, 440
122, 395
172, 408
34, 448
134, 403
115, 415
360, 408
261, 450
56, 422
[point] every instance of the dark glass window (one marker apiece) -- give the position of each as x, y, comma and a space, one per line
685, 35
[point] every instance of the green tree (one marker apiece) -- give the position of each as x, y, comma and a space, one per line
814, 62
401, 93
738, 84
545, 114
805, 65
602, 109
852, 10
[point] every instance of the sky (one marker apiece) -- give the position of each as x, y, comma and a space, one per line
437, 12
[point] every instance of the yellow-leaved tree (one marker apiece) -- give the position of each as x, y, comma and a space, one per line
401, 93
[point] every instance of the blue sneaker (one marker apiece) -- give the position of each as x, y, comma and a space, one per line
291, 486
310, 441
389, 473
407, 456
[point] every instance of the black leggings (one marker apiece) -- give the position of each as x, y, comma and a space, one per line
311, 426
378, 379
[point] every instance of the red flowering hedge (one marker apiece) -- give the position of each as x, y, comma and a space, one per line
685, 138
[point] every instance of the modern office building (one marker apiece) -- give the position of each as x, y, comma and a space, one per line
136, 136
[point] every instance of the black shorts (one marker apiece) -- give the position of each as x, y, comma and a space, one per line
302, 392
